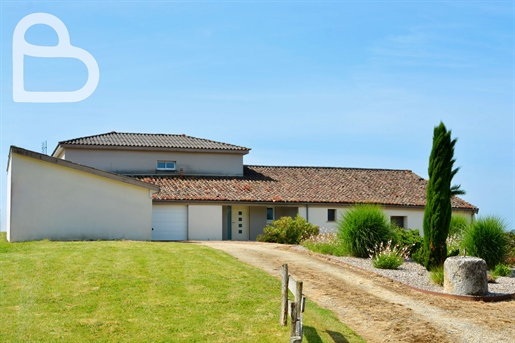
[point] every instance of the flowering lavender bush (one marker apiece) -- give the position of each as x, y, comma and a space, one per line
388, 256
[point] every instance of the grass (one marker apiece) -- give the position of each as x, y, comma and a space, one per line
437, 275
363, 227
501, 270
112, 291
325, 242
486, 238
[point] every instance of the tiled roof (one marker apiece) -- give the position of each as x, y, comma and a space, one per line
146, 140
302, 185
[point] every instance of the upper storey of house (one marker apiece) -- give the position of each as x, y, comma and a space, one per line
141, 153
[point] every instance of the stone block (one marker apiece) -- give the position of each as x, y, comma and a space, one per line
465, 276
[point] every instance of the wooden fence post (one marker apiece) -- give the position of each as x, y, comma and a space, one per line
292, 309
298, 297
284, 296
293, 324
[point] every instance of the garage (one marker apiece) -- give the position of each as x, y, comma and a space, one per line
169, 222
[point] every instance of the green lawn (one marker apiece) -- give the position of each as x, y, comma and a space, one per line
143, 292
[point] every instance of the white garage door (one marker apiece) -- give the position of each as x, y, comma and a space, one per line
169, 222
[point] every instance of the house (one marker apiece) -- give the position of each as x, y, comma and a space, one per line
198, 189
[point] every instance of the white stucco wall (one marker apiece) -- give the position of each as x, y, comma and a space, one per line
47, 200
467, 214
414, 217
318, 216
8, 202
145, 162
205, 222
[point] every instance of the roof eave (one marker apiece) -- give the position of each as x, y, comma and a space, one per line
57, 151
63, 146
303, 202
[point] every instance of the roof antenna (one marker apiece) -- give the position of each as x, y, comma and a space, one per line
43, 148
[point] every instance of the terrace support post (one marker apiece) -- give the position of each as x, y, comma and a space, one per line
284, 296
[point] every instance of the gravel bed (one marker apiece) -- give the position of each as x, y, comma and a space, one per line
415, 275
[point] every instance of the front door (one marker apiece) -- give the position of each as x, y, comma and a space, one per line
240, 223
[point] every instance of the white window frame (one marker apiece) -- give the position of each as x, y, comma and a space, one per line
166, 167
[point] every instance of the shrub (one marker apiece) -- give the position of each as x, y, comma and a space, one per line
287, 230
408, 238
510, 256
453, 245
457, 228
324, 243
501, 270
437, 275
388, 256
458, 225
485, 238
453, 252
362, 228
420, 256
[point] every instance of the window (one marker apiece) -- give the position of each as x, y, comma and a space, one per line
397, 221
331, 215
269, 214
165, 165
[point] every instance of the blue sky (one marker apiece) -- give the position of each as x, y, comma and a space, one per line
339, 83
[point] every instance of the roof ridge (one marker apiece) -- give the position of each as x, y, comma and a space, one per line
328, 167
129, 133
91, 136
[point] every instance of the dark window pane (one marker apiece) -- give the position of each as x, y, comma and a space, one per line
398, 221
269, 213
331, 215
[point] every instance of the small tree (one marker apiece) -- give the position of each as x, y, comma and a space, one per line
438, 211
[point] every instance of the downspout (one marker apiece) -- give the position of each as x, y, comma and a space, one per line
307, 212
229, 223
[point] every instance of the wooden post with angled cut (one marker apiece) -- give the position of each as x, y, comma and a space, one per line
284, 296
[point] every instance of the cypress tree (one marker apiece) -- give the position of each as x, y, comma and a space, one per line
438, 211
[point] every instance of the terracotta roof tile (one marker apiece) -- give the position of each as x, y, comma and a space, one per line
302, 185
145, 140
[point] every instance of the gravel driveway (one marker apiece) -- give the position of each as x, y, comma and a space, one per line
376, 308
